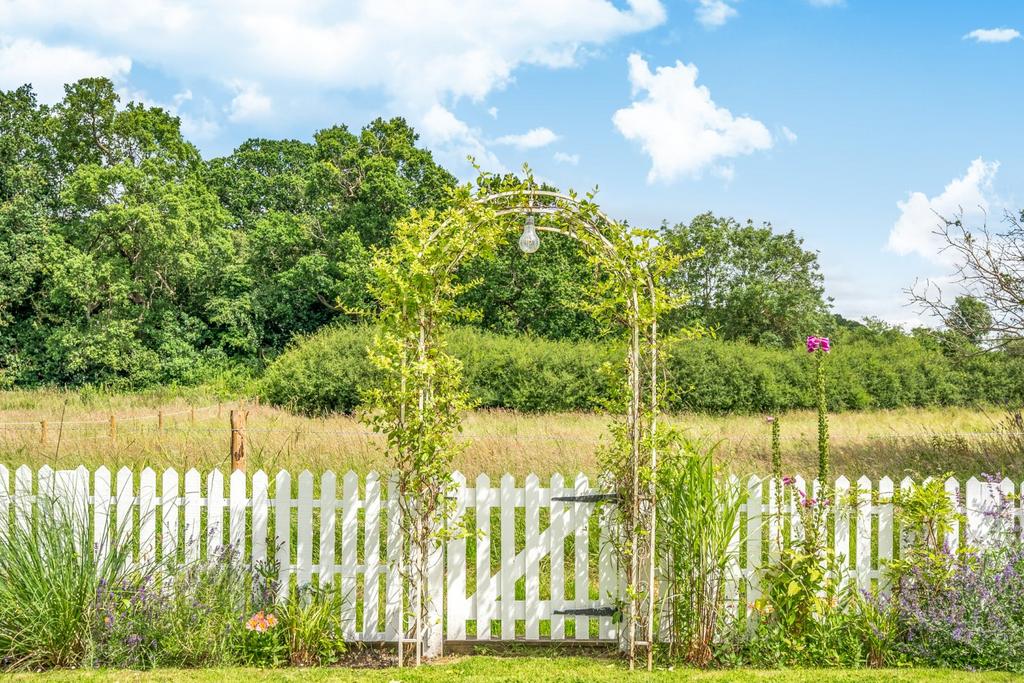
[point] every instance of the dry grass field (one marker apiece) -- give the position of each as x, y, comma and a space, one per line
195, 432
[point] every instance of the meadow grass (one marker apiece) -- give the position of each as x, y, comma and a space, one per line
195, 433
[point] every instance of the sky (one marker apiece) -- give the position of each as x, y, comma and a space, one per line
852, 122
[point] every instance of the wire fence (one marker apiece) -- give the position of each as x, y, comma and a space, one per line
115, 425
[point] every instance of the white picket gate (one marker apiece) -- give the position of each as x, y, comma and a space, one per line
515, 586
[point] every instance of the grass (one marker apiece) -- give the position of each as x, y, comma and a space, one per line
905, 442
533, 669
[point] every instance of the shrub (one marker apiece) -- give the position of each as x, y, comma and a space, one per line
323, 373
974, 619
329, 372
184, 616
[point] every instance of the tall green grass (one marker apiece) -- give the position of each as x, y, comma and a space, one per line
49, 578
698, 507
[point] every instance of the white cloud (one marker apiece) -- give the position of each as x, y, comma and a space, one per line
418, 54
678, 124
827, 3
788, 134
493, 112
49, 67
249, 102
726, 172
565, 158
993, 35
443, 127
194, 128
714, 13
920, 215
531, 139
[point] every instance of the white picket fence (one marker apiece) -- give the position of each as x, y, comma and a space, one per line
513, 586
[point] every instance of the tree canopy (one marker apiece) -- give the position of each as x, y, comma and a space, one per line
126, 258
748, 282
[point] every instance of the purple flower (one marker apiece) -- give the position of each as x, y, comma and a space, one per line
818, 344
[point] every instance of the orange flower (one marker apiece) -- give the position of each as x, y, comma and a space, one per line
261, 623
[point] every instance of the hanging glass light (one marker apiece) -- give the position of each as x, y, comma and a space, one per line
529, 241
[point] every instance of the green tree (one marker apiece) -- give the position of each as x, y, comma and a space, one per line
746, 281
309, 216
538, 294
118, 249
970, 319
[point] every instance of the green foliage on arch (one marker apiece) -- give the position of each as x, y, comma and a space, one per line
420, 396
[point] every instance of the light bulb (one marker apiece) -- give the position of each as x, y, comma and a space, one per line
529, 241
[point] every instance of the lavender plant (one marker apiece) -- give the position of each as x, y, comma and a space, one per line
972, 620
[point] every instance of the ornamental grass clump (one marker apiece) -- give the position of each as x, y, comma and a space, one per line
697, 509
48, 584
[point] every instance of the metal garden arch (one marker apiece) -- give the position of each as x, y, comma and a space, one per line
417, 278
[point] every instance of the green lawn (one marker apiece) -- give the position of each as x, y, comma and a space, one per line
532, 669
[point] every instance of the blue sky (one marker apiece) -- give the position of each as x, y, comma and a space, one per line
849, 122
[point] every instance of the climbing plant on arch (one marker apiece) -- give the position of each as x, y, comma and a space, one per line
420, 398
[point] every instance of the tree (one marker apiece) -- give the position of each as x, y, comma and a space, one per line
988, 273
310, 214
970, 319
115, 242
747, 282
537, 294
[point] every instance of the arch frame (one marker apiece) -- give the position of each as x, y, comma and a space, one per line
416, 290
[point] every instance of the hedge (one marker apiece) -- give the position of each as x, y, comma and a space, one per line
328, 371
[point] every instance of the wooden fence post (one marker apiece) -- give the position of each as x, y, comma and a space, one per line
42, 431
160, 421
192, 415
238, 439
113, 428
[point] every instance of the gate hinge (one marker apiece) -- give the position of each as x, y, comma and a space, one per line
588, 612
588, 498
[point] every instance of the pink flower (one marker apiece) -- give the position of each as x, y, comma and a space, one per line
818, 344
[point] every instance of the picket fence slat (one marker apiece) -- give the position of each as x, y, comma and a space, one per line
328, 533
885, 527
353, 536
214, 513
486, 590
169, 516
395, 617
237, 504
508, 557
456, 607
842, 530
124, 507
863, 550
371, 553
5, 500
283, 530
193, 520
349, 536
581, 542
147, 516
260, 505
755, 524
556, 551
